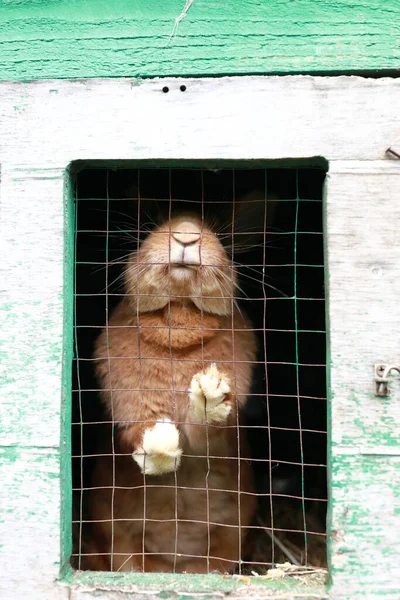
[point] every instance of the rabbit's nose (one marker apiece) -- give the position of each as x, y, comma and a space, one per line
186, 233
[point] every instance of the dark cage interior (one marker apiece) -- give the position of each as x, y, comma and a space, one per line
269, 222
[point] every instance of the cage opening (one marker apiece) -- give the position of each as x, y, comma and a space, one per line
269, 223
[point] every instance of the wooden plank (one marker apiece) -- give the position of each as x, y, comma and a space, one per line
30, 524
363, 258
212, 586
32, 306
298, 117
364, 289
34, 453
365, 526
43, 39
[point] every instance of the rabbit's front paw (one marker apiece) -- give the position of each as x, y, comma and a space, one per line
160, 452
207, 394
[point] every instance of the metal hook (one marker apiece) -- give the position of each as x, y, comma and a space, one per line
381, 375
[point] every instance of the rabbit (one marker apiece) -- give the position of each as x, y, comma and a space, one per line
175, 367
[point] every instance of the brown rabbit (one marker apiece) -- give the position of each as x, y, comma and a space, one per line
175, 364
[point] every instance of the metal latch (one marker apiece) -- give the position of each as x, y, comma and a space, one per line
382, 374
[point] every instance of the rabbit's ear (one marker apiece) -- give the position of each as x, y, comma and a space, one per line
253, 213
131, 191
254, 209
151, 210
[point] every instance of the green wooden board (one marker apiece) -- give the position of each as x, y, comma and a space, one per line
42, 39
180, 586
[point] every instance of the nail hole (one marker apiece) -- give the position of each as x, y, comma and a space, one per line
165, 89
183, 88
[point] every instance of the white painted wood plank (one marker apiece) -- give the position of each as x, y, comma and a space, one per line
31, 341
363, 217
32, 275
343, 118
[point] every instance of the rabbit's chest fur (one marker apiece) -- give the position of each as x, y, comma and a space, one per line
141, 359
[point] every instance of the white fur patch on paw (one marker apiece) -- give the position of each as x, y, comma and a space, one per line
160, 452
207, 393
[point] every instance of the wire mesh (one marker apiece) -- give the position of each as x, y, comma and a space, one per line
269, 224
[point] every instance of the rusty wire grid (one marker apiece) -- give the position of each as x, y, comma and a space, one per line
270, 223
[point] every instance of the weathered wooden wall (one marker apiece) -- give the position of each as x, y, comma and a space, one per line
46, 125
42, 39
43, 127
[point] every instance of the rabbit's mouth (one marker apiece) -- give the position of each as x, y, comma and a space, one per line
182, 270
184, 265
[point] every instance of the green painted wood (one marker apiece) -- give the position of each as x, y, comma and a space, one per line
365, 493
169, 585
67, 357
42, 39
